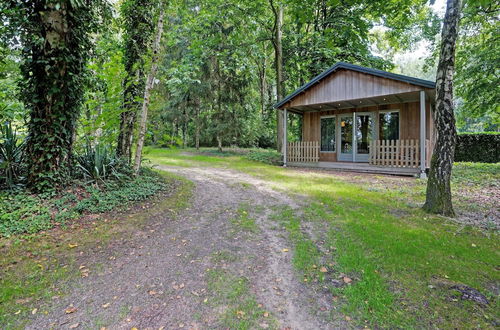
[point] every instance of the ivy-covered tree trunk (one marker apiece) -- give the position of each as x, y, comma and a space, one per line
55, 49
438, 198
139, 26
147, 94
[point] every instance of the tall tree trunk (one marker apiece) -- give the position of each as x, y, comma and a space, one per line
147, 94
52, 38
438, 197
219, 143
278, 64
197, 129
126, 134
138, 31
262, 67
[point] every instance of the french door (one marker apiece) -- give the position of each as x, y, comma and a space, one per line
356, 132
365, 130
346, 138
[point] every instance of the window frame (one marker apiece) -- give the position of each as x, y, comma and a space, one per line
335, 133
380, 126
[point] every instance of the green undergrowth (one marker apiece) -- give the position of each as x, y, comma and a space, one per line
403, 262
36, 268
24, 213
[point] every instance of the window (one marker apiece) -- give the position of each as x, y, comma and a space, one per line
328, 134
389, 125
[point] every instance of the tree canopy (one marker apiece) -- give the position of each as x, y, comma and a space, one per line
73, 72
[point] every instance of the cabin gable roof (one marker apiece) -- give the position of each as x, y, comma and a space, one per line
345, 81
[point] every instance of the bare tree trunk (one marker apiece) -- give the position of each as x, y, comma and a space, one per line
184, 134
278, 64
197, 130
147, 94
262, 67
219, 143
438, 199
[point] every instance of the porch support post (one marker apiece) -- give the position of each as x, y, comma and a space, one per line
285, 141
423, 162
354, 141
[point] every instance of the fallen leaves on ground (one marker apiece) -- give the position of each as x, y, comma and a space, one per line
347, 280
70, 310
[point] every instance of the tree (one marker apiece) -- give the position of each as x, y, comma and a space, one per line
438, 196
278, 65
478, 53
147, 92
138, 28
56, 41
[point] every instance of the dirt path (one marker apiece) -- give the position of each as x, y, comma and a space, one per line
189, 271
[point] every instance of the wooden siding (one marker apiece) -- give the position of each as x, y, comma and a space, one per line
409, 123
350, 85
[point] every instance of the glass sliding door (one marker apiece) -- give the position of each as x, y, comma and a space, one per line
346, 137
364, 135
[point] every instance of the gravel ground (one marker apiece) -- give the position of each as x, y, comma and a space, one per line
157, 277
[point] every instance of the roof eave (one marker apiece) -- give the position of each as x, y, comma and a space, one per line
342, 65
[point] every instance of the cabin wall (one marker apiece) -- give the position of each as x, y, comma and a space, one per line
409, 123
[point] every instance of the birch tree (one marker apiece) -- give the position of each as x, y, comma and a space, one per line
147, 92
278, 65
438, 197
138, 29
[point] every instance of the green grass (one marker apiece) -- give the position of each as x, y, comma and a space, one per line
243, 221
393, 250
240, 309
476, 174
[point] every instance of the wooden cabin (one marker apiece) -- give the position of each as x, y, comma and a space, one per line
361, 119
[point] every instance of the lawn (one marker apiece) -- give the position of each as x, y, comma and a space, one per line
404, 264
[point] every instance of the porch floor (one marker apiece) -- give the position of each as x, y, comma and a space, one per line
359, 167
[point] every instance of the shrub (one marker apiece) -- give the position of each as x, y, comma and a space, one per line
100, 163
168, 141
271, 157
11, 156
116, 194
478, 147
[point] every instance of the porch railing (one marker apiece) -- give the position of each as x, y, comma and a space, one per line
397, 153
303, 152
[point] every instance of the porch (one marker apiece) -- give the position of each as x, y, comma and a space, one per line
396, 157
